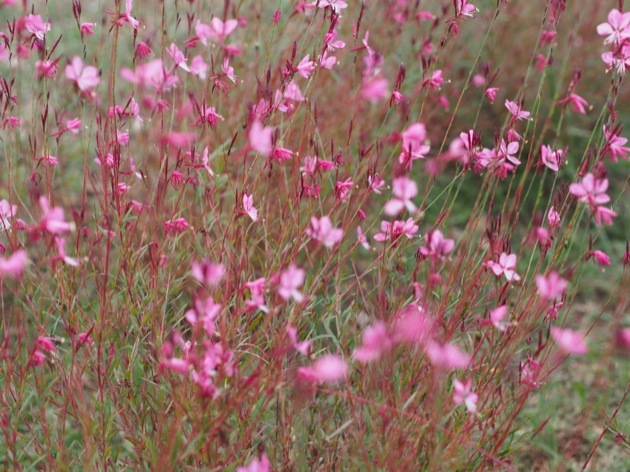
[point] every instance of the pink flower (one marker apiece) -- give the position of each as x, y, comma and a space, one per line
491, 93
413, 144
176, 226
290, 281
126, 17
375, 89
568, 341
376, 342
256, 465
412, 325
551, 287
617, 29
550, 158
52, 219
508, 151
260, 138
248, 205
221, 30
553, 217
505, 266
579, 104
178, 57
392, 231
256, 291
322, 230
447, 356
205, 312
61, 252
87, 28
306, 67
463, 394
206, 272
7, 212
616, 145
300, 346
435, 81
516, 110
463, 8
375, 183
14, 265
437, 246
328, 368
497, 317
591, 190
342, 188
34, 24
600, 257
152, 74
404, 190
86, 77
605, 215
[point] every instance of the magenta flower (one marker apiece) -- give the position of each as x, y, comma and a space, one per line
376, 342
204, 312
463, 8
463, 394
86, 77
61, 252
569, 342
604, 215
221, 30
412, 325
14, 265
435, 81
206, 272
328, 368
508, 151
151, 74
375, 183
322, 230
552, 286
491, 93
290, 281
257, 465
505, 266
447, 356
516, 110
591, 190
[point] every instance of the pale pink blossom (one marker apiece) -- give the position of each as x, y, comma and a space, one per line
323, 231
616, 145
617, 29
404, 190
302, 347
14, 265
553, 218
505, 266
256, 291
376, 342
248, 205
257, 465
290, 281
591, 190
516, 110
7, 212
86, 77
52, 219
328, 368
35, 25
436, 245
447, 356
569, 341
392, 231
206, 272
497, 317
260, 138
306, 67
552, 286
463, 394
550, 158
